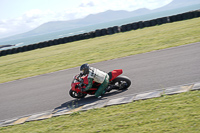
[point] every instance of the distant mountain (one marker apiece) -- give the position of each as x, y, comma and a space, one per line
102, 17
178, 4
91, 19
111, 15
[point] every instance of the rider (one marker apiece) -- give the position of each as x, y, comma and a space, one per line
97, 76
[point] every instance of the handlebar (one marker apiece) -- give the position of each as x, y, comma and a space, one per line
79, 79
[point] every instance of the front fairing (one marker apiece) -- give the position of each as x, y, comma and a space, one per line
77, 82
82, 82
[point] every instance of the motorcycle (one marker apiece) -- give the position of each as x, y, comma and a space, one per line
116, 82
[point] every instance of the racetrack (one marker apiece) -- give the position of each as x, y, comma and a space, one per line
148, 71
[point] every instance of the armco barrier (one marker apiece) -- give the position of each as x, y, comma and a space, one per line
105, 31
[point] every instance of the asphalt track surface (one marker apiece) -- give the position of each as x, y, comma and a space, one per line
148, 71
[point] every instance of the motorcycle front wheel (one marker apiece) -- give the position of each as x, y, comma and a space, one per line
74, 94
121, 83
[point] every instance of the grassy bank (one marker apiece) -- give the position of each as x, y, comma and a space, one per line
172, 114
98, 49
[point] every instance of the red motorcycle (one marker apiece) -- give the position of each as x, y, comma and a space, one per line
116, 82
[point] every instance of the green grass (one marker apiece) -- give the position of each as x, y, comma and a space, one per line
98, 49
172, 114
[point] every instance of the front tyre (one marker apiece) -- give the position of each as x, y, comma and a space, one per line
74, 94
121, 83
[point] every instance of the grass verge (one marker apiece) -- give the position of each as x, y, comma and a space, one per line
98, 49
170, 113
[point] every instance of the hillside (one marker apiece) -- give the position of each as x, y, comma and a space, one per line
178, 4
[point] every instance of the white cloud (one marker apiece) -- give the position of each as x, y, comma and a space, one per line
33, 19
87, 4
3, 30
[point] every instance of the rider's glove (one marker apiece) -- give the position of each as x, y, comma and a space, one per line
81, 74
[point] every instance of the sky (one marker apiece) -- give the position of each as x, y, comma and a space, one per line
19, 16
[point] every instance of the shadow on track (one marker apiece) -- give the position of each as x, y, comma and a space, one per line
88, 100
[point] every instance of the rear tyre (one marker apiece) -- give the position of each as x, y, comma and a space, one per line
74, 94
121, 83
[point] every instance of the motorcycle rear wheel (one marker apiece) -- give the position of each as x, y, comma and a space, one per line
74, 94
121, 83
